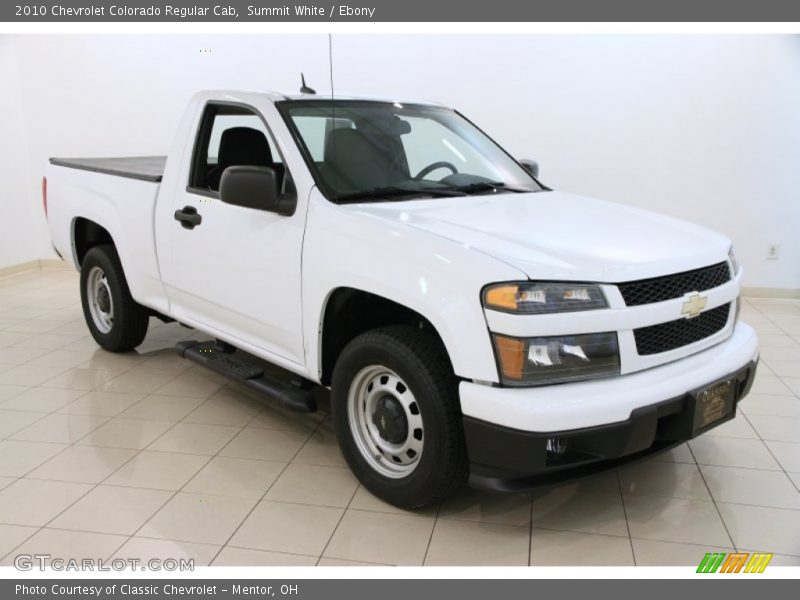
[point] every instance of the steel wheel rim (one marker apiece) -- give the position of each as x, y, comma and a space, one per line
100, 300
370, 387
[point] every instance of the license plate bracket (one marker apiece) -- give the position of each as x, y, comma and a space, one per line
714, 404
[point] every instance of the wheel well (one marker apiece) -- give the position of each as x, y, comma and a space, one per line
87, 234
350, 312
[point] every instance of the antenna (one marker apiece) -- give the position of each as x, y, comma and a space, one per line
304, 89
330, 60
333, 104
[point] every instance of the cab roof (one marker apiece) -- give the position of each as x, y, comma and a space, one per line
359, 98
275, 96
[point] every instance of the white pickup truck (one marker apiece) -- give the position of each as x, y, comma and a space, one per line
470, 322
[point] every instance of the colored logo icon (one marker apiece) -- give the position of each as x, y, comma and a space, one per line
735, 562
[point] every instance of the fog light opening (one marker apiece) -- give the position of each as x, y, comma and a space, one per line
555, 447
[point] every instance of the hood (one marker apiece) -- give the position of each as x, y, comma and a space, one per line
560, 236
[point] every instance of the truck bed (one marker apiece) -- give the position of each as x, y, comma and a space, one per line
146, 168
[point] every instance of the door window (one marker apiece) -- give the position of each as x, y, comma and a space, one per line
231, 136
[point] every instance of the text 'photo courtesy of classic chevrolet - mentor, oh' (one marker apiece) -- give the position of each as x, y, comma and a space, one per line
471, 323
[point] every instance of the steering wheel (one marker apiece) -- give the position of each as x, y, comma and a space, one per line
433, 166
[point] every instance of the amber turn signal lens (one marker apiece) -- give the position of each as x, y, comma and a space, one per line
501, 296
511, 353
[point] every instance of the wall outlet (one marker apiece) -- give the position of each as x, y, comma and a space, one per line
773, 250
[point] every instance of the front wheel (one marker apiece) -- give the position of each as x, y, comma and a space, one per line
115, 320
395, 409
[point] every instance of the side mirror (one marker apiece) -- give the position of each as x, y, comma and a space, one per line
255, 187
531, 166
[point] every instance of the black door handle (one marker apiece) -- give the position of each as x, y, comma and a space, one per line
188, 217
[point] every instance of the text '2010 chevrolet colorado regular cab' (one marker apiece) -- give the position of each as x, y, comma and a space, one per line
469, 322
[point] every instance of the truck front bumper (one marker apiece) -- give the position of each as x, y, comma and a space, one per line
595, 426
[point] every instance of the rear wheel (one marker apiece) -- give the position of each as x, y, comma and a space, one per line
115, 320
396, 413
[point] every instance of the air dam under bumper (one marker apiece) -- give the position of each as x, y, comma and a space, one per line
504, 458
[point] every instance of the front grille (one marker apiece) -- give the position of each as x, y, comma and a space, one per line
658, 289
681, 332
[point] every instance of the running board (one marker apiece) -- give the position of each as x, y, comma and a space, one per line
295, 392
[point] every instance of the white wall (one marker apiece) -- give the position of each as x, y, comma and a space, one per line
21, 230
701, 127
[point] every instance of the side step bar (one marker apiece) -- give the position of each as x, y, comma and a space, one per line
295, 392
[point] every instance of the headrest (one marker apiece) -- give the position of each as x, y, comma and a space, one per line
244, 146
357, 163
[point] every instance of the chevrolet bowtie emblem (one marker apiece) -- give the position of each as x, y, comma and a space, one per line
694, 305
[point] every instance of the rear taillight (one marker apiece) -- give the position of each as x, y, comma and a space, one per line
44, 195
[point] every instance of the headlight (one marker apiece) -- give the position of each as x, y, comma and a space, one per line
540, 298
735, 266
559, 359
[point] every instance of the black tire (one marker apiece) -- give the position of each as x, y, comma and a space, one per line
419, 359
129, 318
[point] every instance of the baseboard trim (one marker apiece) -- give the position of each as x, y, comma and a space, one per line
34, 265
765, 292
54, 263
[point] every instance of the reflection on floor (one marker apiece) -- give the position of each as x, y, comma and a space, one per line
147, 455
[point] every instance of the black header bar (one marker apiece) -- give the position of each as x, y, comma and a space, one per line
441, 11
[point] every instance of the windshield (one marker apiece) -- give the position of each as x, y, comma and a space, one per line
375, 151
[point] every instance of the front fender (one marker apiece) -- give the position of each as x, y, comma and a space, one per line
437, 278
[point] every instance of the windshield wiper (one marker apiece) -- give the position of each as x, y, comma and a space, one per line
486, 186
394, 192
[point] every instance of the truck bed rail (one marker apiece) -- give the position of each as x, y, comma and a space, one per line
145, 168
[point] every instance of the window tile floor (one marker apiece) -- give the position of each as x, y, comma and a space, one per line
147, 455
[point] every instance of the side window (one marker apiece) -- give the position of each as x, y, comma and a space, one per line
224, 122
231, 136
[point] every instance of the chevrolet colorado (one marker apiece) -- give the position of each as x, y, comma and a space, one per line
470, 322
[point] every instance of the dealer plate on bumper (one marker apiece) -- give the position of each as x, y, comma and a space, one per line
713, 405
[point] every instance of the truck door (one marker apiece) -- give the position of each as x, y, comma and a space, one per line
234, 271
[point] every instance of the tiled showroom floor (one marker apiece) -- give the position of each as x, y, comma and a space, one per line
145, 454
